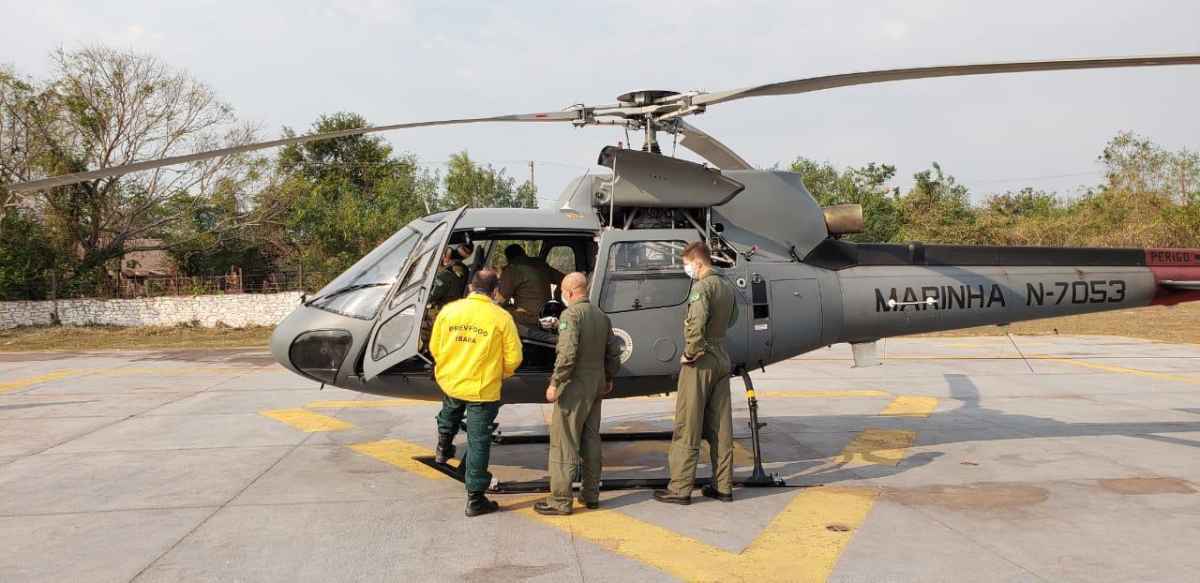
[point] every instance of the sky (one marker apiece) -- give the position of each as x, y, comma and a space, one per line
284, 64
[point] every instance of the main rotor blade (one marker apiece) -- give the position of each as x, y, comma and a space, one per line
869, 77
710, 149
77, 177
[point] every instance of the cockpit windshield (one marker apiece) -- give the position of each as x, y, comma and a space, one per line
360, 290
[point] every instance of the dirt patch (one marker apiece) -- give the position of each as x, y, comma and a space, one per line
636, 454
510, 572
1136, 486
983, 496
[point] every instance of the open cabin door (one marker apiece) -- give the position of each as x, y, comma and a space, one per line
396, 336
640, 283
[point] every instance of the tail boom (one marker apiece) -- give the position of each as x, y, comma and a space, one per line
930, 293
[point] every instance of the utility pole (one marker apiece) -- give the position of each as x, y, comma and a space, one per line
531, 172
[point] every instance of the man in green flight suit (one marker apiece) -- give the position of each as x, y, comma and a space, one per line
702, 402
588, 358
526, 281
450, 281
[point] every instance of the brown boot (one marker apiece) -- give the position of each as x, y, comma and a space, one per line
669, 498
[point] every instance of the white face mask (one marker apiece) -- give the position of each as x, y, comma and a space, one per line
689, 269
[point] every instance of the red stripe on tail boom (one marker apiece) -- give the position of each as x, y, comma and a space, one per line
1174, 265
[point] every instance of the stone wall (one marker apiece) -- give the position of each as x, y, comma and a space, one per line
236, 310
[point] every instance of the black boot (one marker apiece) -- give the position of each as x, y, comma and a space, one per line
445, 448
715, 494
478, 504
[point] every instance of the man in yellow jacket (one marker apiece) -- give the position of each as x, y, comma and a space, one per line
475, 347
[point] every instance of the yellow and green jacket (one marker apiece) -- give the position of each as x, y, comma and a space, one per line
475, 347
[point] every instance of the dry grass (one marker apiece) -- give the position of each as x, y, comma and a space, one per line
1174, 324
136, 338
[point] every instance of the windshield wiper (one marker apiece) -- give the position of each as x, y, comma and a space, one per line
346, 290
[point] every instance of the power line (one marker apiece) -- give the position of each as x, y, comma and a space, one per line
1043, 177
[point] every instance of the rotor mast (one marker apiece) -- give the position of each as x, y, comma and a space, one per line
646, 108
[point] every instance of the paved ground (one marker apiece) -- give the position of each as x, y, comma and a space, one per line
955, 460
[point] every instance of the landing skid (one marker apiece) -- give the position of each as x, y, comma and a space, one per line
759, 478
501, 439
543, 486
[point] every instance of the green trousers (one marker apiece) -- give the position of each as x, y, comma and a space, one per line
575, 441
480, 417
702, 411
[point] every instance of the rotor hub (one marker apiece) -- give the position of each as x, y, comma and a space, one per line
644, 97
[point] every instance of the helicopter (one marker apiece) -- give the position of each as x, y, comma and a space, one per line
800, 286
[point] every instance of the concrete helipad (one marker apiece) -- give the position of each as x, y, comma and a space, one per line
1057, 458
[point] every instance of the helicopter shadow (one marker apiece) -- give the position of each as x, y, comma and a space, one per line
809, 450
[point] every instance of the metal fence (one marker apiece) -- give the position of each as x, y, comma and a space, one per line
52, 286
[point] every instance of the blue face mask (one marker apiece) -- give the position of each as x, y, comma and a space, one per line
690, 270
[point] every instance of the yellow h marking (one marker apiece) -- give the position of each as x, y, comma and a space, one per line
911, 406
400, 454
19, 384
798, 545
851, 393
369, 404
879, 446
1133, 371
802, 543
307, 421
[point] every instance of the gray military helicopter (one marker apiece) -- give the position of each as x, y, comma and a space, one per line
800, 286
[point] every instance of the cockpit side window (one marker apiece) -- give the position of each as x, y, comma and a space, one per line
643, 275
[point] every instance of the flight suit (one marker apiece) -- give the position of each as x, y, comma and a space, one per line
526, 281
588, 358
702, 403
448, 284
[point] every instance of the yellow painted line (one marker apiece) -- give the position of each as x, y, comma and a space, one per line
911, 406
369, 404
9, 386
1133, 371
306, 421
803, 394
169, 371
824, 394
1008, 356
798, 545
802, 543
400, 454
878, 446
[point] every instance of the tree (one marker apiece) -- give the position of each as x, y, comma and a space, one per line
199, 247
481, 186
937, 209
1025, 202
1135, 164
335, 200
105, 108
866, 186
25, 256
15, 94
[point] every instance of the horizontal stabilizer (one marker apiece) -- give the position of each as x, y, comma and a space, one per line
1181, 285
